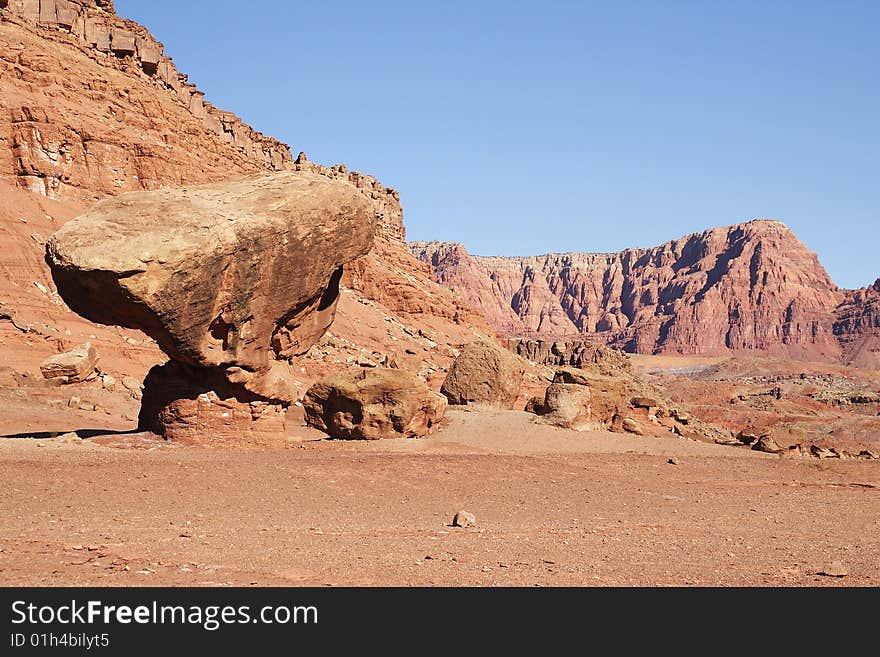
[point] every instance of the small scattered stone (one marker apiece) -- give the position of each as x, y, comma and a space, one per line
464, 519
134, 386
631, 426
72, 366
835, 569
8, 378
673, 461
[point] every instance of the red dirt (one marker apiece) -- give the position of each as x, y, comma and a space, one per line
553, 507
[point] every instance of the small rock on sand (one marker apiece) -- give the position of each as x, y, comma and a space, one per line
72, 366
835, 569
464, 519
632, 426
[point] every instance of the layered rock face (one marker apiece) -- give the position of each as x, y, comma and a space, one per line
752, 286
61, 152
857, 326
79, 124
575, 353
231, 279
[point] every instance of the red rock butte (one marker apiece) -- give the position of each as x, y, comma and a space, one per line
751, 286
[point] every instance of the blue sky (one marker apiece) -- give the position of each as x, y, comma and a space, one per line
523, 127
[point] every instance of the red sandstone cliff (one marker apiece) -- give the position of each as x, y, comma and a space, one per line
753, 286
857, 326
91, 106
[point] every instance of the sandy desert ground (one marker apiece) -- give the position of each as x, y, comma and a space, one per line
553, 508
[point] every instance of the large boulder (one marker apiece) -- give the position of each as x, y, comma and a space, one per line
72, 366
486, 374
582, 400
374, 403
568, 405
231, 279
610, 395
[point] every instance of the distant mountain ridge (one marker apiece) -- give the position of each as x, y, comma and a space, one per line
750, 286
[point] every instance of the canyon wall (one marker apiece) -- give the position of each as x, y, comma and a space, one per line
76, 122
90, 107
751, 286
857, 326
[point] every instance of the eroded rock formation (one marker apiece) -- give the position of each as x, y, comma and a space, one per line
79, 124
231, 279
372, 404
857, 326
54, 154
752, 286
575, 353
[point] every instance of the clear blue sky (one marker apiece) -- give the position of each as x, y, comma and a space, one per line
529, 127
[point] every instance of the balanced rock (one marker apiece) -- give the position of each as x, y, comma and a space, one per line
374, 403
486, 374
231, 279
72, 366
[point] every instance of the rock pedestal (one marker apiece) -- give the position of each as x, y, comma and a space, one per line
196, 407
231, 279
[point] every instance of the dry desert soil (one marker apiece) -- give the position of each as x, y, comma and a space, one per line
553, 508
